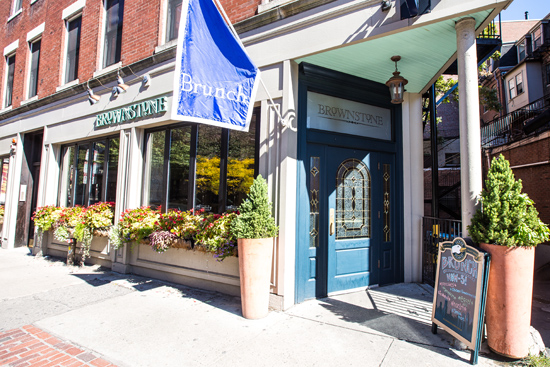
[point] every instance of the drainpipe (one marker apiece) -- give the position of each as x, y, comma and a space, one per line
470, 132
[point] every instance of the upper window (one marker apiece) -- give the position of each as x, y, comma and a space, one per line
519, 83
73, 49
521, 51
10, 66
35, 64
548, 74
89, 172
114, 10
537, 38
199, 166
17, 5
512, 88
173, 19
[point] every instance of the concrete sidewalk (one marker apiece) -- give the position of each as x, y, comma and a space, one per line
135, 321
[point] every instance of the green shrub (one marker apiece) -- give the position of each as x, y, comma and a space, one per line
255, 219
507, 216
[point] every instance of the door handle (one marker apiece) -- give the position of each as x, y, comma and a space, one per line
331, 221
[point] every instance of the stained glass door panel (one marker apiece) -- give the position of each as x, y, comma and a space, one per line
350, 228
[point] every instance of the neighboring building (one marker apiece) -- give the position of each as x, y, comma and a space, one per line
522, 131
318, 59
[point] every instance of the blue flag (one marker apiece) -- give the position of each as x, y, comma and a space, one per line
215, 81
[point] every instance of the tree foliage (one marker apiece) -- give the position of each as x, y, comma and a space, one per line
507, 217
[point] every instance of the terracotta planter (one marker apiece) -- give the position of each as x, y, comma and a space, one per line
509, 298
255, 256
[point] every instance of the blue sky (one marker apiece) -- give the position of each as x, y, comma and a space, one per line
537, 9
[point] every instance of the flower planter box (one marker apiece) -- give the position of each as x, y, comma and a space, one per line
99, 250
194, 268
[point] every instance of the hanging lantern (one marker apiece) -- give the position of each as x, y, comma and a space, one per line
396, 84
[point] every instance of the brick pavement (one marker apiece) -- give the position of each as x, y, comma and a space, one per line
31, 346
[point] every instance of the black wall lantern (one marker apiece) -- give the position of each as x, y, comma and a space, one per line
396, 83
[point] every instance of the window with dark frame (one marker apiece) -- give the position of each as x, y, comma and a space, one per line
173, 19
73, 49
10, 63
200, 166
537, 38
35, 65
89, 172
521, 52
114, 10
548, 74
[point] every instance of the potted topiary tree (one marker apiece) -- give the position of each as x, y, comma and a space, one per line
508, 227
255, 230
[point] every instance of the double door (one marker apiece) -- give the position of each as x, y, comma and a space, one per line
351, 221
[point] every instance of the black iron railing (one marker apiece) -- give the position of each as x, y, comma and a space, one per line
435, 231
508, 128
492, 31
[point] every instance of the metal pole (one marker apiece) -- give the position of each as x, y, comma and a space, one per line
435, 158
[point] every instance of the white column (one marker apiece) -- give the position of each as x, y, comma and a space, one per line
470, 135
287, 204
413, 177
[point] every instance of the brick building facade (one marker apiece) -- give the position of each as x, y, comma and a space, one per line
69, 64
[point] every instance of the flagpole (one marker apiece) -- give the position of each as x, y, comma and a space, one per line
228, 21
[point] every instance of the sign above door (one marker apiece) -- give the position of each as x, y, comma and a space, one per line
348, 117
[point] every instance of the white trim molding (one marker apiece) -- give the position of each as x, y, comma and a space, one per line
35, 33
9, 49
73, 9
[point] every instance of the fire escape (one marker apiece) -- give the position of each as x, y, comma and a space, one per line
445, 184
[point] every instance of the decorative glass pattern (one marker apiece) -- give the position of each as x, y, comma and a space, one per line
387, 225
352, 200
314, 176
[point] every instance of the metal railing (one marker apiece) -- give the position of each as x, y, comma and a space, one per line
491, 31
435, 231
509, 128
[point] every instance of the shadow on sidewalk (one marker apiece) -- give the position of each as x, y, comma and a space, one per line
401, 311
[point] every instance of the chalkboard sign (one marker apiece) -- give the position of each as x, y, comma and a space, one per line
460, 291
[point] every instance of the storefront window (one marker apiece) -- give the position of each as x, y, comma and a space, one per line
4, 180
81, 175
208, 168
178, 186
155, 171
112, 170
89, 172
241, 165
199, 166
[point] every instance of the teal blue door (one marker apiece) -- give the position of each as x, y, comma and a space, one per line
350, 209
351, 221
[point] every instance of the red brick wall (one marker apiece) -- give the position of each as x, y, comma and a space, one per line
535, 179
238, 10
140, 35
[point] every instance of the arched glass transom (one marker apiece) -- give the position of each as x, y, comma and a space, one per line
352, 200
